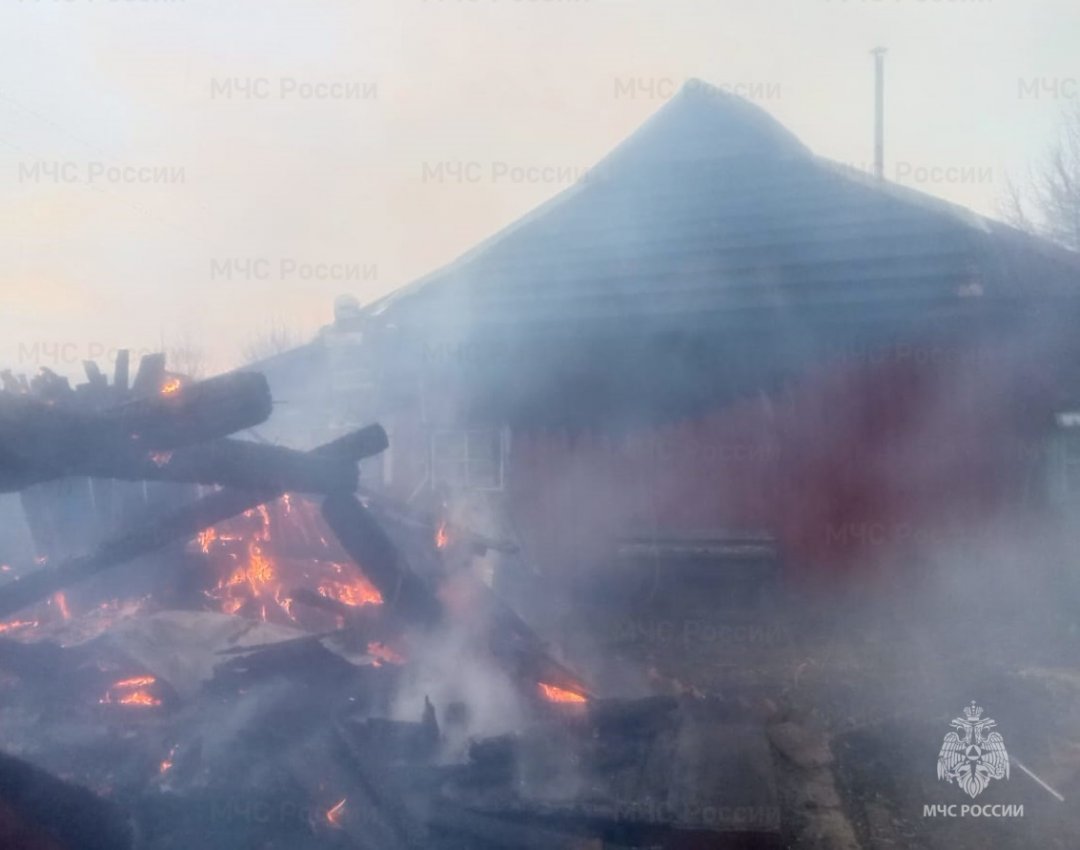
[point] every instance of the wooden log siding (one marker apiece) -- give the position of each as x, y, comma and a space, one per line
902, 451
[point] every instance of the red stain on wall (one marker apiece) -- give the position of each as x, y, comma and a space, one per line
856, 462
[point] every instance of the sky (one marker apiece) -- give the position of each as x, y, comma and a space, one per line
191, 174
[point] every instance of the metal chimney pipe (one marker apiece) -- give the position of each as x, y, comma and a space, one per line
879, 112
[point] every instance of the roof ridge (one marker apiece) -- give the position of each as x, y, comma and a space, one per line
703, 122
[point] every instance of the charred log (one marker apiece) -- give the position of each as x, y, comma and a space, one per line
120, 372
205, 410
231, 463
40, 441
150, 374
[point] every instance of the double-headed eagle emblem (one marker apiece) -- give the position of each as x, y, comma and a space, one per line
973, 755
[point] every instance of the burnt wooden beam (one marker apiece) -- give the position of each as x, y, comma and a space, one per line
403, 591
230, 463
181, 524
149, 377
196, 412
94, 374
40, 441
121, 371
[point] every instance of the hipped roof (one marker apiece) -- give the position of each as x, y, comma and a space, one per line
712, 209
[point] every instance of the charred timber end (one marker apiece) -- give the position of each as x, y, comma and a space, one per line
202, 411
357, 445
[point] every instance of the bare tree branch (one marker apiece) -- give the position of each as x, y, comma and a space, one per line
1053, 191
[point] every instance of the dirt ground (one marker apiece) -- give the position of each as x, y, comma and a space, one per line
856, 697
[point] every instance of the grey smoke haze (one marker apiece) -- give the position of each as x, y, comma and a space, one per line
189, 173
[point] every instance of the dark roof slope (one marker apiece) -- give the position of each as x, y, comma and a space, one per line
713, 208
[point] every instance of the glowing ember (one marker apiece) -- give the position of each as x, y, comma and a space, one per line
170, 387
206, 537
267, 552
159, 459
131, 692
285, 602
61, 604
442, 536
135, 682
381, 654
336, 812
167, 763
554, 694
16, 625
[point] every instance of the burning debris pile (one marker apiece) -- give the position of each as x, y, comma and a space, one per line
234, 644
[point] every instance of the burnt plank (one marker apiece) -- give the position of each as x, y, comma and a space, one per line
94, 375
150, 375
231, 463
121, 372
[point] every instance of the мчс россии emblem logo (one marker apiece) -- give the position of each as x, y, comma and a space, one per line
973, 754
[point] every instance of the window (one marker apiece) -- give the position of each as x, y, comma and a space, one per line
468, 460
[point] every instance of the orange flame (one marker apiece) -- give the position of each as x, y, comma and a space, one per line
170, 387
61, 604
555, 694
258, 555
131, 692
255, 576
442, 536
159, 459
139, 698
167, 762
360, 592
206, 537
335, 813
258, 572
135, 682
